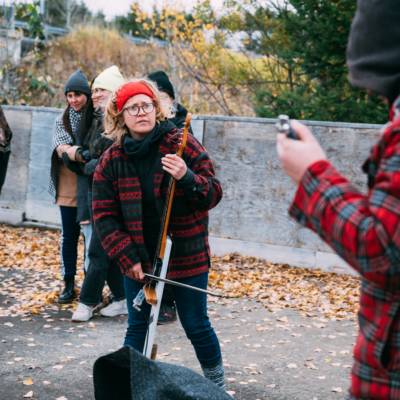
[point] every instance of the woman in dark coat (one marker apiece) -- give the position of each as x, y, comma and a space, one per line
63, 182
92, 144
129, 189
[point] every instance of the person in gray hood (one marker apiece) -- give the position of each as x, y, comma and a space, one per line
362, 228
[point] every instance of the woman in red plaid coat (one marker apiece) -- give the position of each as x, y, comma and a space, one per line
364, 230
129, 189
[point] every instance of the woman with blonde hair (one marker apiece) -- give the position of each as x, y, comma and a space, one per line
129, 189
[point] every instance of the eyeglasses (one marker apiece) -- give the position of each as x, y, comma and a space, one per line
134, 110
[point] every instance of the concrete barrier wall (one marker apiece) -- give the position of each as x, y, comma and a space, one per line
257, 192
25, 188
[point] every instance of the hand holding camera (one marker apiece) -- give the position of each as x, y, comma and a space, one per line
297, 148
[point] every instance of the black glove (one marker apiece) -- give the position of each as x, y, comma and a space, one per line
71, 165
90, 167
85, 154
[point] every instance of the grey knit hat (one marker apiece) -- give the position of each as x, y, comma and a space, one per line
77, 82
373, 52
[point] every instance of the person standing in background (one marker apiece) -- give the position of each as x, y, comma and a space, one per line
5, 146
63, 182
168, 93
101, 268
167, 313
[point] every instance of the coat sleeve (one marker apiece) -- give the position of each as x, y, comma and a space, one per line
116, 241
203, 190
364, 230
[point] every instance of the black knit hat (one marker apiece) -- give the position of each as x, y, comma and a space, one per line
77, 82
373, 53
163, 82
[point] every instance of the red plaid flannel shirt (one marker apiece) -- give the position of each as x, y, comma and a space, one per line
364, 231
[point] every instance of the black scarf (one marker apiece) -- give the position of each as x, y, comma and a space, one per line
140, 148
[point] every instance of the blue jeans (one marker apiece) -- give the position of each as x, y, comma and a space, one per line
70, 231
192, 311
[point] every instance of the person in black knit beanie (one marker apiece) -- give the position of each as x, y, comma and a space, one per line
167, 90
167, 313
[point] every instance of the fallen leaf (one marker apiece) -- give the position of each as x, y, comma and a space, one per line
58, 367
29, 395
243, 383
283, 319
9, 324
28, 382
67, 344
292, 366
46, 382
321, 377
317, 325
231, 379
230, 392
310, 365
337, 390
253, 381
347, 366
335, 365
317, 350
272, 385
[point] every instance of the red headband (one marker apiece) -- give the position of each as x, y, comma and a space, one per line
129, 90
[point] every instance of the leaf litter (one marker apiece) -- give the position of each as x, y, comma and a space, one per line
278, 286
35, 255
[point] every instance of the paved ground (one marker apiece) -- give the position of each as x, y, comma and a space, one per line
283, 355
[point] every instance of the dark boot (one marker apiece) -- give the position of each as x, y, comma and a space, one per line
69, 291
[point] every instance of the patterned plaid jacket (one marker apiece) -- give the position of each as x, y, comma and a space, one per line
117, 208
364, 231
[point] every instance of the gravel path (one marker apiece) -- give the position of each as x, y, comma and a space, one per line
268, 355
